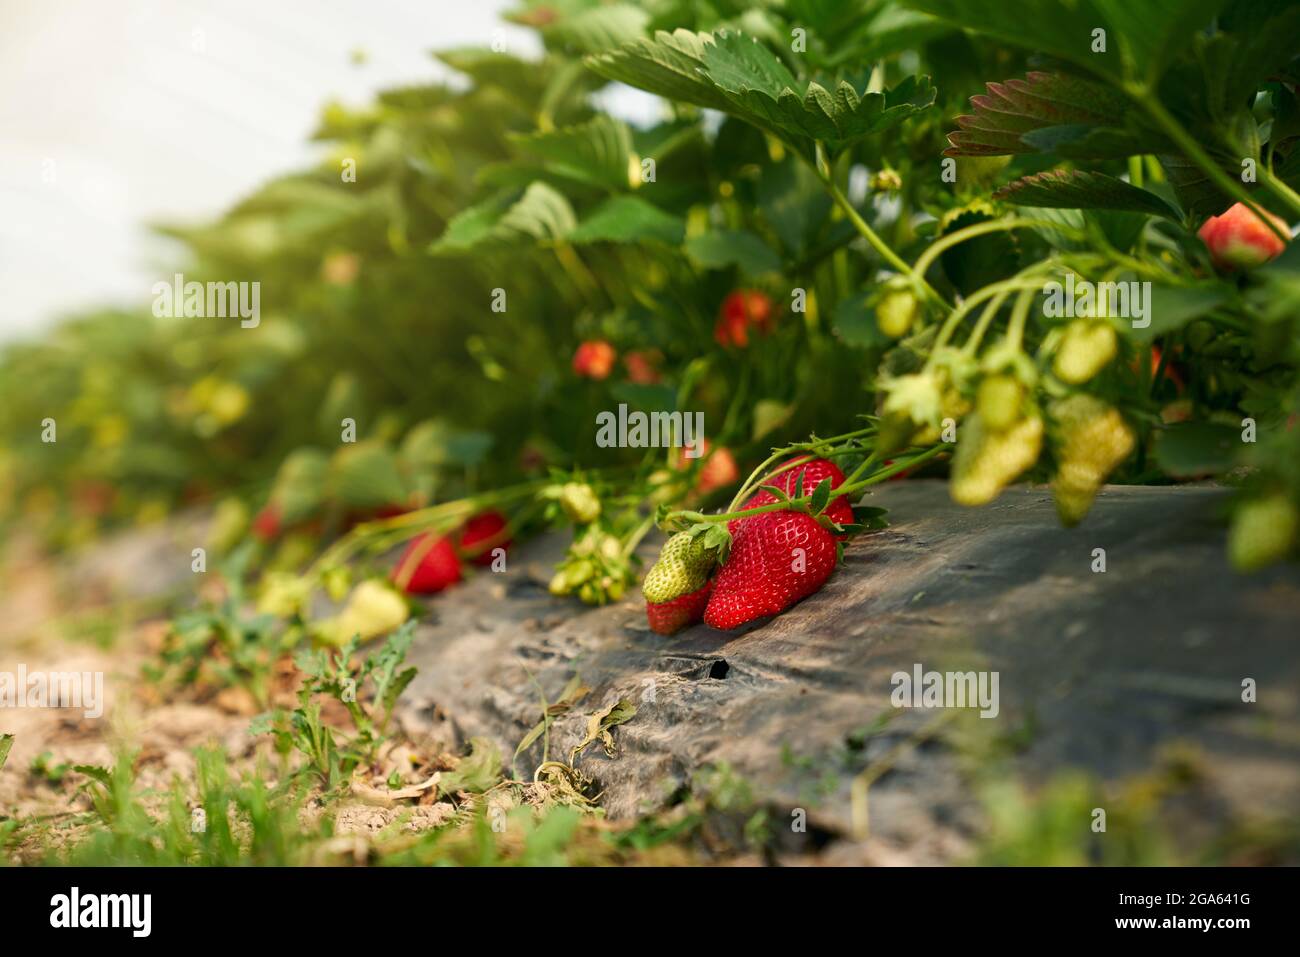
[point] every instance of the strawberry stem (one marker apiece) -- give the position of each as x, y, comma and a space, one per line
804, 503
821, 167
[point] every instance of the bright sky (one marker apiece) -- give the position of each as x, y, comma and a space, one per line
115, 114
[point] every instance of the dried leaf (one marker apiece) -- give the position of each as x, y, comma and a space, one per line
599, 724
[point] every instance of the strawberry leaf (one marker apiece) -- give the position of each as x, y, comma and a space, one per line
732, 72
1049, 112
597, 28
541, 213
596, 153
1141, 38
821, 496
1078, 189
1063, 30
870, 516
777, 491
628, 219
725, 248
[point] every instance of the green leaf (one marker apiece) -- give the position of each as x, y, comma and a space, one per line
389, 682
1047, 112
794, 202
718, 250
531, 737
1172, 307
596, 153
102, 775
1192, 449
732, 72
645, 397
488, 68
870, 516
1195, 191
769, 415
1151, 31
854, 323
1063, 30
776, 492
540, 214
628, 219
6, 742
981, 260
867, 38
821, 496
434, 444
1078, 189
599, 28
367, 475
300, 484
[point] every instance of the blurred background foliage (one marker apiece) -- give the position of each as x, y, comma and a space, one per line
377, 295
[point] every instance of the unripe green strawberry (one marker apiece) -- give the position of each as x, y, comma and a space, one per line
1264, 531
579, 502
998, 401
1094, 438
987, 459
683, 567
1086, 348
570, 575
373, 609
897, 309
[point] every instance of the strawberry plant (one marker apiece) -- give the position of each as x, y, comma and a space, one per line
994, 241
673, 294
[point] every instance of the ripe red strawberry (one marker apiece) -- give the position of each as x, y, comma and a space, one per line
594, 359
482, 535
266, 524
777, 559
435, 561
672, 616
814, 473
741, 310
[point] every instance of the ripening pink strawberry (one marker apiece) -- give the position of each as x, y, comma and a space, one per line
719, 470
643, 366
1238, 239
594, 359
